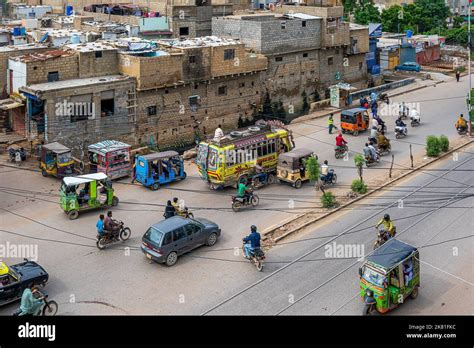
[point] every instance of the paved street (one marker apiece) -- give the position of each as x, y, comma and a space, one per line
84, 280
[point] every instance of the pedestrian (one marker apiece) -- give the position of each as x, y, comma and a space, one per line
331, 125
458, 75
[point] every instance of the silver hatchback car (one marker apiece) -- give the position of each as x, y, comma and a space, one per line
166, 240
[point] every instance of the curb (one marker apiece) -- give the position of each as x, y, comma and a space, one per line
276, 240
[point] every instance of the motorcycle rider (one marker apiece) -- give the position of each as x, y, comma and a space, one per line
367, 153
388, 224
373, 135
243, 192
110, 225
177, 206
373, 152
340, 141
400, 124
252, 241
169, 210
382, 141
100, 225
326, 175
30, 305
461, 124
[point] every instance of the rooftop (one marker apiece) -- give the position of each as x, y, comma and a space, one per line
75, 83
355, 26
205, 41
36, 57
60, 32
91, 46
12, 48
268, 16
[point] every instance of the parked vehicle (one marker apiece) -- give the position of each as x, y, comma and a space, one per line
122, 233
95, 192
166, 240
15, 278
340, 151
355, 120
401, 132
221, 162
159, 168
291, 167
389, 276
240, 202
257, 256
111, 157
49, 307
16, 154
56, 160
408, 66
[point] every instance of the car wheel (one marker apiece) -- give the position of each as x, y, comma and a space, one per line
172, 258
73, 214
115, 201
211, 239
298, 184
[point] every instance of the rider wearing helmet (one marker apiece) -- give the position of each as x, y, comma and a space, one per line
388, 224
252, 241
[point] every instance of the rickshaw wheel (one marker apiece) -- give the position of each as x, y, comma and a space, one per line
271, 179
298, 184
44, 173
73, 214
184, 176
414, 293
355, 133
115, 201
155, 186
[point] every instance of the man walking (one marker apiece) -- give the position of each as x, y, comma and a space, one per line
331, 125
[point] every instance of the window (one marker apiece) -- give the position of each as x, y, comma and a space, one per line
241, 84
192, 229
192, 59
222, 90
98, 54
184, 31
53, 76
278, 59
283, 25
229, 54
305, 55
303, 23
151, 110
179, 234
360, 65
167, 239
212, 160
253, 83
193, 100
330, 61
107, 107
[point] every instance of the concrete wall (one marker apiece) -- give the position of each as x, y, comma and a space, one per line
90, 66
67, 67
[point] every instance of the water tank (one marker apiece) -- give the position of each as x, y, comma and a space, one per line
17, 31
69, 10
75, 39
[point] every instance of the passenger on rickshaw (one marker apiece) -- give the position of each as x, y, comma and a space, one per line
155, 170
302, 168
83, 196
388, 224
408, 272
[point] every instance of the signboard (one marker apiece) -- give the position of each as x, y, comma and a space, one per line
334, 96
375, 30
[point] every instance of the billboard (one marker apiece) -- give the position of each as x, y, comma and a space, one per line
375, 30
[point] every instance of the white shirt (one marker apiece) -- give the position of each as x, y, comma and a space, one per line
375, 123
324, 169
218, 133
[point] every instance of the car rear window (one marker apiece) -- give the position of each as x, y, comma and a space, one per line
154, 235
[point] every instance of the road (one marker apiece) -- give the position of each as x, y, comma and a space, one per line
117, 281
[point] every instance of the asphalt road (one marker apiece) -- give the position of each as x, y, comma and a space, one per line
116, 281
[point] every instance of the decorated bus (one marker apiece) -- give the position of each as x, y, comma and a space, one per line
234, 157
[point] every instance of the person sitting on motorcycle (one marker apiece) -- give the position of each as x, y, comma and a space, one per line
110, 225
326, 175
373, 152
382, 140
388, 224
30, 305
461, 123
366, 150
252, 241
100, 225
177, 206
399, 123
341, 143
374, 134
243, 192
169, 210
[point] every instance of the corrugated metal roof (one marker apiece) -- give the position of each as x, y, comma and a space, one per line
107, 146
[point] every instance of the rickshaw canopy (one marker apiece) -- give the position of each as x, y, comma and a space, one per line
292, 157
159, 155
353, 111
3, 268
391, 254
82, 179
56, 148
107, 146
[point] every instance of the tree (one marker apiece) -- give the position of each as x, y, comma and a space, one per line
359, 161
312, 167
366, 13
305, 106
266, 110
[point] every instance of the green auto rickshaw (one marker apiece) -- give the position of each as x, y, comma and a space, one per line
389, 275
86, 192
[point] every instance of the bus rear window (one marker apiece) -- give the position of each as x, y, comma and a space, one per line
212, 159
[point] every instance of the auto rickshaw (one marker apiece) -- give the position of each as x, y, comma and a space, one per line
291, 167
56, 160
159, 168
389, 275
95, 192
354, 120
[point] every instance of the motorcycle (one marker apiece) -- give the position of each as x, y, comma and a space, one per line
261, 179
239, 202
340, 151
400, 132
121, 233
415, 119
384, 98
185, 213
369, 161
384, 149
383, 236
462, 130
49, 308
12, 154
256, 257
331, 178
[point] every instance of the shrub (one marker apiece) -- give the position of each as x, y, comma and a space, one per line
359, 186
433, 147
328, 200
444, 143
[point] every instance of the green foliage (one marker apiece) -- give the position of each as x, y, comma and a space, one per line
366, 13
359, 161
328, 200
312, 166
433, 146
359, 186
458, 22
443, 143
305, 106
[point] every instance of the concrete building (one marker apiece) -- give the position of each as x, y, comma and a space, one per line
459, 7
355, 67
385, 4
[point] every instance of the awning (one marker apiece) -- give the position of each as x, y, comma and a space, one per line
8, 104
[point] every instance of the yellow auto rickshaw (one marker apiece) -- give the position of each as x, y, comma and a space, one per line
291, 167
56, 160
354, 120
